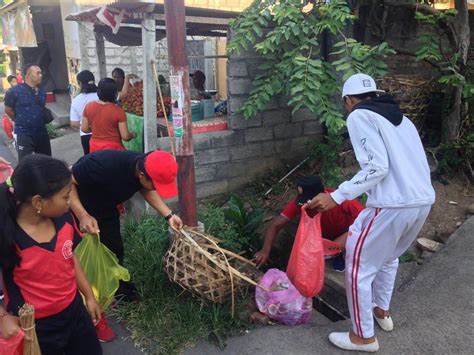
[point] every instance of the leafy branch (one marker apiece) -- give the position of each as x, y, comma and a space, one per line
287, 35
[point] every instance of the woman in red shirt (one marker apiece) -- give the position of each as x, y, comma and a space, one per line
106, 120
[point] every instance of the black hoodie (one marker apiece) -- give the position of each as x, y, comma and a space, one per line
385, 106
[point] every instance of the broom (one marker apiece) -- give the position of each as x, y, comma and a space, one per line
27, 323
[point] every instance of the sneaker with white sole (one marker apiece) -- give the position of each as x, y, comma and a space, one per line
343, 341
385, 323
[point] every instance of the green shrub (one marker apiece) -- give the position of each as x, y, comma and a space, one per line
325, 156
236, 226
52, 131
167, 319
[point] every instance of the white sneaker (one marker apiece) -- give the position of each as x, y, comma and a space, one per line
385, 323
343, 341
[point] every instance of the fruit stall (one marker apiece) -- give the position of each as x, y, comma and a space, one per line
117, 23
202, 121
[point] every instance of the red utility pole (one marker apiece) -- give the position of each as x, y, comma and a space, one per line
181, 109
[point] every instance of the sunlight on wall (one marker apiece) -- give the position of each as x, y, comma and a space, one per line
227, 5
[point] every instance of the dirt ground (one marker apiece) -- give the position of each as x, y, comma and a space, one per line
450, 209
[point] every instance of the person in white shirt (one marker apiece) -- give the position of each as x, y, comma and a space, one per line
396, 178
88, 94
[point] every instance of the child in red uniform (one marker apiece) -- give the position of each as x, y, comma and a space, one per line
37, 238
334, 223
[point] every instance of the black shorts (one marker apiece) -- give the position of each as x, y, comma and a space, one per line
70, 332
26, 145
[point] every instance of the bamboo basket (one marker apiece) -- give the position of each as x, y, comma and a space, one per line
197, 263
412, 93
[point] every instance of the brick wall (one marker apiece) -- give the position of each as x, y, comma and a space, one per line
227, 160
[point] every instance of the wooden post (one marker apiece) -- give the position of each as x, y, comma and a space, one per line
101, 62
181, 97
85, 63
149, 85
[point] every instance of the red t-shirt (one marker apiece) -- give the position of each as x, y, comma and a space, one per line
104, 121
334, 222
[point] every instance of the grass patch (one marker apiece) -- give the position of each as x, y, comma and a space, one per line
407, 257
168, 319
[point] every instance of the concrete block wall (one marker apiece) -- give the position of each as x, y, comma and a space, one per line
130, 59
227, 160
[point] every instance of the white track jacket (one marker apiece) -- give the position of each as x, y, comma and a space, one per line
394, 169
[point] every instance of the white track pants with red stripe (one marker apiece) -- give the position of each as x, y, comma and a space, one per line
376, 240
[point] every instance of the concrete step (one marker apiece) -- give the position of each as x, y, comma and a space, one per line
64, 100
60, 113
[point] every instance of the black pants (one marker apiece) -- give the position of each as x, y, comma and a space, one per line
85, 143
26, 145
110, 235
70, 332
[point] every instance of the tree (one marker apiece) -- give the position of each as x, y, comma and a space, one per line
288, 35
444, 45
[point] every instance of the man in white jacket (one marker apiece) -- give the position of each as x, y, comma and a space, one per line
396, 178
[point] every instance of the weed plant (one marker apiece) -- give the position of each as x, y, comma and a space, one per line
52, 131
235, 225
167, 319
325, 156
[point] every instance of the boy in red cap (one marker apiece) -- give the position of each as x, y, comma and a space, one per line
106, 178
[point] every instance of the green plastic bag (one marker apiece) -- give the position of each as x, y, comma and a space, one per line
102, 269
135, 124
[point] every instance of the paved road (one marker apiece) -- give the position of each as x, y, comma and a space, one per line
433, 313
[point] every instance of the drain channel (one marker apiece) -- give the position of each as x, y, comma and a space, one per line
331, 302
327, 310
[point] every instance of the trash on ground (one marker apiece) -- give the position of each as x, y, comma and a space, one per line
282, 302
428, 245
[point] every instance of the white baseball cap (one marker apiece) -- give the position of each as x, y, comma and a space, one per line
359, 84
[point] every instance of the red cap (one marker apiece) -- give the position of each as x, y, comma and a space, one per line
162, 168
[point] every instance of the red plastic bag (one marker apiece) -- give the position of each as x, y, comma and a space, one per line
12, 346
332, 248
306, 265
7, 126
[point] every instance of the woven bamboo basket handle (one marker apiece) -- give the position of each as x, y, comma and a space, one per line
228, 252
213, 259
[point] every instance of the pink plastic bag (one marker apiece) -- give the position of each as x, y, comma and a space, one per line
306, 265
284, 303
6, 171
12, 346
